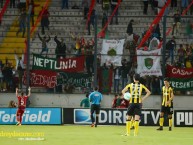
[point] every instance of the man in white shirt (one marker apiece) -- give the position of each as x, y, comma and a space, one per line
19, 67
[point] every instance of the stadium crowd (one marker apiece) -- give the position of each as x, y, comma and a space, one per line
180, 55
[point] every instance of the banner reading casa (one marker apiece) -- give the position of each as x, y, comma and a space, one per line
180, 78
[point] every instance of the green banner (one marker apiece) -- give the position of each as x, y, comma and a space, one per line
75, 64
182, 84
77, 79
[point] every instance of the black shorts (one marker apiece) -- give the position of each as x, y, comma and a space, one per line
167, 110
95, 108
134, 109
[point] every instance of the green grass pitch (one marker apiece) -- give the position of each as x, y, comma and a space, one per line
85, 135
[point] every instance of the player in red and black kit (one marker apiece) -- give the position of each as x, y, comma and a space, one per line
22, 100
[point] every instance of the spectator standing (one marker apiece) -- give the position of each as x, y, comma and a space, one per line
184, 4
33, 5
145, 6
171, 44
85, 5
22, 22
154, 5
117, 76
44, 43
22, 4
91, 21
59, 83
104, 21
12, 3
8, 76
161, 4
113, 6
177, 22
20, 67
45, 19
85, 102
64, 4
125, 68
181, 56
156, 86
174, 4
188, 50
89, 56
106, 6
60, 48
130, 27
156, 32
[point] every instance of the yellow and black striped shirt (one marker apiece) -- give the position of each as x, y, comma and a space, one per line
166, 92
135, 90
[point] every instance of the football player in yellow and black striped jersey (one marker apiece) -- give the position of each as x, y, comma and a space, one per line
167, 104
136, 100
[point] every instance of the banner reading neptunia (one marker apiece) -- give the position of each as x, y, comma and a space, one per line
148, 62
112, 51
42, 78
75, 64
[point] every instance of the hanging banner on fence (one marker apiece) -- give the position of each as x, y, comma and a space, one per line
77, 79
105, 80
177, 72
182, 83
75, 64
112, 51
148, 62
42, 78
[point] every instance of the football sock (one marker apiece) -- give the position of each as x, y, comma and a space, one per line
92, 118
20, 118
132, 123
161, 121
170, 122
97, 120
128, 127
136, 127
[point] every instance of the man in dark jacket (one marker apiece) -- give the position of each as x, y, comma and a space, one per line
60, 48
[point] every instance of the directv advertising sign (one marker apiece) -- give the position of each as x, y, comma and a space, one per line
82, 116
31, 116
183, 118
149, 117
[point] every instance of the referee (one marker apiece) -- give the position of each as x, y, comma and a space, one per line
95, 98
